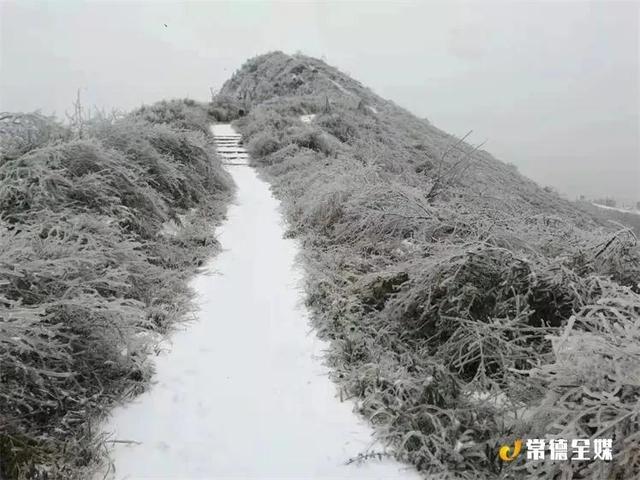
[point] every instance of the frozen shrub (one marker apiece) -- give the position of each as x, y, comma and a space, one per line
338, 126
225, 109
315, 140
22, 132
586, 393
281, 154
262, 145
88, 278
179, 114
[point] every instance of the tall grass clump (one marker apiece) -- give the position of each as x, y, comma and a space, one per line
21, 132
466, 306
98, 236
224, 108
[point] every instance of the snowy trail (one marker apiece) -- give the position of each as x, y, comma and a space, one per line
621, 210
242, 392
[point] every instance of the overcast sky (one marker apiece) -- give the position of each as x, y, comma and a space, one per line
553, 86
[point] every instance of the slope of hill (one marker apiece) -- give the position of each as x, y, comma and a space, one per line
358, 116
100, 227
466, 307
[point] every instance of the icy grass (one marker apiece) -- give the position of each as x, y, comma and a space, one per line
86, 276
494, 311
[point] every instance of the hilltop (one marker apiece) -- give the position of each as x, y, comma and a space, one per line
303, 84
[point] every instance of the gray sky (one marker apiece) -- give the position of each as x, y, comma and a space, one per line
553, 86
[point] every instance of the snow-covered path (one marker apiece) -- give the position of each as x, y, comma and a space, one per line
242, 392
621, 210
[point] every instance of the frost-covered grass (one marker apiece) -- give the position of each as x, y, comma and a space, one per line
460, 320
87, 277
246, 377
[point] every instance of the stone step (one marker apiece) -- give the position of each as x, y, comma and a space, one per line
230, 150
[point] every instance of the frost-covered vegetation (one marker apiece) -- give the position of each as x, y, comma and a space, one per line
466, 306
101, 224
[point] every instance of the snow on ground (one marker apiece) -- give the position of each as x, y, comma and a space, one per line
242, 393
223, 129
623, 210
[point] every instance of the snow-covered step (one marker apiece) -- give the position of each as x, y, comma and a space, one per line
228, 146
